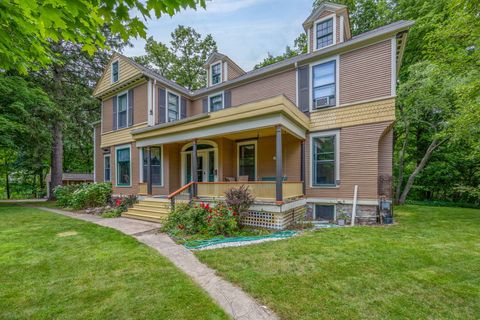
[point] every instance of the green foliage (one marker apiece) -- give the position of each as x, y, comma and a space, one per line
122, 204
183, 60
28, 27
222, 221
83, 196
112, 214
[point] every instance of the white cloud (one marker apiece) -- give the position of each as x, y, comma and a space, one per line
224, 6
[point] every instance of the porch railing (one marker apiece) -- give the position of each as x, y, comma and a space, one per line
184, 194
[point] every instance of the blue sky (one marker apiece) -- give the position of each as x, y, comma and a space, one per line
245, 30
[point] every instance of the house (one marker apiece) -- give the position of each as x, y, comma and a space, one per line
69, 178
301, 133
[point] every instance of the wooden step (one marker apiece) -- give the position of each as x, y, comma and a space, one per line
143, 217
151, 204
150, 210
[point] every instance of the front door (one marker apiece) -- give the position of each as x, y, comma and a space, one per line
205, 166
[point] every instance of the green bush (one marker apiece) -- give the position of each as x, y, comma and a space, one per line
84, 196
222, 221
115, 213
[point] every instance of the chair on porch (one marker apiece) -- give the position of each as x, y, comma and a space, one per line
242, 178
284, 178
230, 179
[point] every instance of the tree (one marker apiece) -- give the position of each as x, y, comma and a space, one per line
183, 60
28, 27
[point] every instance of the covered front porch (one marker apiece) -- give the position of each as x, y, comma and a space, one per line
260, 145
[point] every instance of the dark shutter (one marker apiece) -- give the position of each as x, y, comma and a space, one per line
161, 105
227, 95
130, 107
114, 113
183, 108
205, 105
303, 88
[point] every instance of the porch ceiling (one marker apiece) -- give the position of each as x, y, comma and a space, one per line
237, 122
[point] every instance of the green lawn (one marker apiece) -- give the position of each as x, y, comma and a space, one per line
425, 267
57, 267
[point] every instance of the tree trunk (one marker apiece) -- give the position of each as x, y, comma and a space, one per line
401, 160
57, 159
433, 145
7, 182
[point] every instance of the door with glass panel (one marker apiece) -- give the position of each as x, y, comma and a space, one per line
247, 160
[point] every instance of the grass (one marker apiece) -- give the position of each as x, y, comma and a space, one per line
425, 267
57, 267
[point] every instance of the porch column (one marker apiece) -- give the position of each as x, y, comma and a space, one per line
302, 165
194, 168
149, 171
279, 165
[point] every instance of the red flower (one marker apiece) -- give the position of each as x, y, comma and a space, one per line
181, 226
118, 202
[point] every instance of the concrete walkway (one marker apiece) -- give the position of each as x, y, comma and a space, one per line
231, 298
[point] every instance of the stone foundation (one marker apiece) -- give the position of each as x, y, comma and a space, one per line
365, 215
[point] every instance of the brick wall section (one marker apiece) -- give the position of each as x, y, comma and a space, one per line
358, 163
365, 73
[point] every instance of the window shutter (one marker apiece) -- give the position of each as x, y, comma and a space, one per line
205, 105
161, 105
227, 96
130, 107
114, 113
183, 108
303, 89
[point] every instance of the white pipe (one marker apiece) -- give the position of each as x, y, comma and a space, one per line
354, 209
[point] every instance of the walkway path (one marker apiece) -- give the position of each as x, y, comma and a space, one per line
231, 298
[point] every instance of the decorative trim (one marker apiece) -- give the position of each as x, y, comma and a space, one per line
342, 28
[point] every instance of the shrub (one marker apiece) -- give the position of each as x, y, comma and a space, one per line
239, 199
123, 203
115, 213
222, 221
91, 195
64, 194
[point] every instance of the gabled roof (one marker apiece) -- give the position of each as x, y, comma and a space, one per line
216, 56
326, 6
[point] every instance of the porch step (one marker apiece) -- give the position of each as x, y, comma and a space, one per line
144, 217
155, 210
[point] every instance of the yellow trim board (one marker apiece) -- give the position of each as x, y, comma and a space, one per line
113, 138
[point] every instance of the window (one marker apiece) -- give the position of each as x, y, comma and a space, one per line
123, 167
216, 73
325, 33
155, 165
115, 71
324, 212
324, 85
324, 160
106, 168
246, 160
122, 110
216, 102
173, 107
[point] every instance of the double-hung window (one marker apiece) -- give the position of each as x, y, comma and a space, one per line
324, 166
216, 73
122, 110
155, 165
216, 102
324, 84
115, 71
324, 33
173, 107
123, 167
106, 168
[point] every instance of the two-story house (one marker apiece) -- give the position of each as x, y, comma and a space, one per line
301, 133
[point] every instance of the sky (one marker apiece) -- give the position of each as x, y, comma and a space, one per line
245, 30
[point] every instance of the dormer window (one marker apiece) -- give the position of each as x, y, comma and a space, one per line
216, 73
324, 30
115, 71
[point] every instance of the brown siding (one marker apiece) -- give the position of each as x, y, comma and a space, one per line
98, 155
196, 107
365, 73
358, 163
140, 109
226, 159
232, 72
283, 83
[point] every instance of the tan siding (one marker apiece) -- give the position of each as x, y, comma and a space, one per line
226, 159
98, 155
358, 163
140, 104
232, 72
107, 109
174, 167
126, 71
196, 107
283, 83
365, 73
385, 153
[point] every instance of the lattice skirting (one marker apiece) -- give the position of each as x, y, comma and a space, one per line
273, 220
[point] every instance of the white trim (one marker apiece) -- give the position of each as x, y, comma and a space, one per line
111, 70
394, 66
101, 117
110, 162
167, 91
366, 202
223, 128
337, 80
154, 101
150, 103
184, 153
342, 28
296, 85
210, 81
334, 22
95, 153
121, 147
216, 94
225, 70
140, 165
337, 157
308, 40
254, 142
121, 94
324, 204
